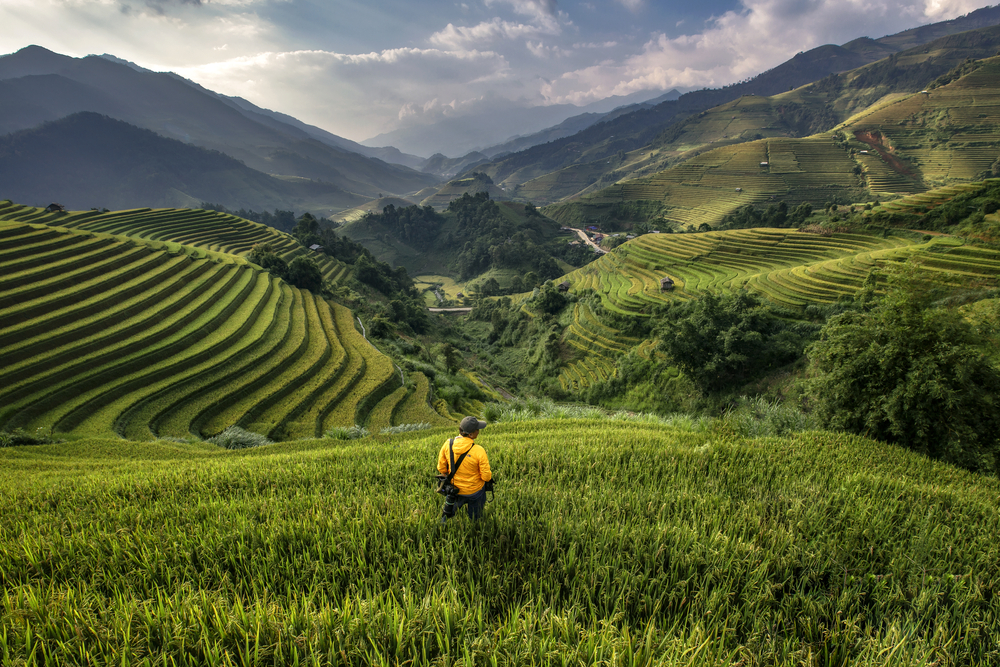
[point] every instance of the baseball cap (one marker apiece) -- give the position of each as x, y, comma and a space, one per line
470, 424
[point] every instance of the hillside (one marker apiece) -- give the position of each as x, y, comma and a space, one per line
570, 165
151, 323
903, 144
38, 86
474, 237
86, 160
653, 543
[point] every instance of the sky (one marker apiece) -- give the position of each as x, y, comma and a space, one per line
359, 68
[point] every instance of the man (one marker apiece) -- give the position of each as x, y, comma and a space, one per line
472, 473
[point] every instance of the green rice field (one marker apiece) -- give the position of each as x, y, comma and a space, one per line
608, 543
151, 324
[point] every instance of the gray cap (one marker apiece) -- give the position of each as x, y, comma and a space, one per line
470, 424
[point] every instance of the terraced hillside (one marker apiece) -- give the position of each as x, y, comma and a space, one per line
198, 232
901, 145
151, 324
788, 267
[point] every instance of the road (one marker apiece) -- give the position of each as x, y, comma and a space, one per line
586, 239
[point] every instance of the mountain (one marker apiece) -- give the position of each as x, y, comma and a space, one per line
571, 126
943, 133
488, 122
281, 120
37, 85
88, 160
589, 150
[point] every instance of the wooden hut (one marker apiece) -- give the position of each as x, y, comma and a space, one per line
666, 284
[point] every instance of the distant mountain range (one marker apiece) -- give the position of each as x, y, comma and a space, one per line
591, 148
490, 122
38, 86
274, 160
86, 160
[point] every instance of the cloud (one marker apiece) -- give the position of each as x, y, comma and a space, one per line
456, 38
537, 9
540, 50
742, 43
354, 94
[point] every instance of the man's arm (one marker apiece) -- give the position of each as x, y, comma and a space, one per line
443, 460
485, 473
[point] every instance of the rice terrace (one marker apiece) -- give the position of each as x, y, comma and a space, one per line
737, 348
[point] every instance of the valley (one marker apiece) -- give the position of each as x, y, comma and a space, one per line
737, 350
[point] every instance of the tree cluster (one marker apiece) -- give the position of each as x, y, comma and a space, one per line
418, 226
774, 215
905, 370
487, 239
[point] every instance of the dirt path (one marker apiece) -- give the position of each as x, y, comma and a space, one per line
586, 239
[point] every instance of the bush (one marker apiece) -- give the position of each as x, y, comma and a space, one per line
19, 437
758, 417
904, 371
235, 437
347, 432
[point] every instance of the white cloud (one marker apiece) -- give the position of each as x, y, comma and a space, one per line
537, 9
540, 50
741, 44
454, 38
355, 94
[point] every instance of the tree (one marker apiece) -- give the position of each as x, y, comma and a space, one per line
264, 256
907, 372
722, 342
303, 272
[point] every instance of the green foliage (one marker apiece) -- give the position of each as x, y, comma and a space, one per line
723, 342
759, 417
908, 372
304, 273
774, 215
347, 432
490, 240
548, 299
651, 384
235, 437
264, 256
19, 437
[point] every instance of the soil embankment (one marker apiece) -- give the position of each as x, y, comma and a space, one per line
879, 144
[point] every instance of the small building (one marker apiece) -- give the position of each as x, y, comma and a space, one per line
763, 164
563, 286
315, 247
574, 243
629, 237
54, 207
739, 189
460, 295
666, 284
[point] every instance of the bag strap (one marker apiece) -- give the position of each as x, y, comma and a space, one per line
455, 466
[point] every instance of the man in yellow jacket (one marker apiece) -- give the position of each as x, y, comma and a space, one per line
471, 474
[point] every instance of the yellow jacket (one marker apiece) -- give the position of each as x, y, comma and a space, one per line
475, 469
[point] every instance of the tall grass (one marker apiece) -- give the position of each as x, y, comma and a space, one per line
613, 543
532, 409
